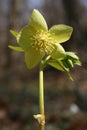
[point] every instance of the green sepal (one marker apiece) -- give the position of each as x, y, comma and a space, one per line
14, 33
32, 57
16, 48
37, 21
25, 37
61, 32
58, 52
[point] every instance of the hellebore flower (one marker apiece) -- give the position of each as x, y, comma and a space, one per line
36, 41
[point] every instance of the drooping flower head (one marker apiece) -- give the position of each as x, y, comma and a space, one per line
36, 41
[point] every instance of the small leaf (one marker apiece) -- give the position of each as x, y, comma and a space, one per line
68, 63
15, 48
72, 54
14, 33
61, 33
55, 64
37, 21
77, 62
73, 57
60, 66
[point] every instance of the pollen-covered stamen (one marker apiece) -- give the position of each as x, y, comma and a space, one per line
43, 42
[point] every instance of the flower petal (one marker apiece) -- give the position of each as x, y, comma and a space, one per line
37, 21
16, 48
25, 37
14, 33
32, 57
58, 52
61, 33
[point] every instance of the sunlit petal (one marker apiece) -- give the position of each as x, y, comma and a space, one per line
61, 33
32, 57
37, 21
58, 52
25, 37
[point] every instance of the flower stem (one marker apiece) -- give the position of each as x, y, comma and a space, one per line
41, 97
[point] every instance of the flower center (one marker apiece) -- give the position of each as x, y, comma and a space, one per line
43, 42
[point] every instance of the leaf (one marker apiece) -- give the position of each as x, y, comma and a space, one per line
77, 62
25, 37
55, 64
58, 52
70, 60
68, 63
14, 33
72, 54
60, 66
61, 33
32, 57
15, 48
37, 21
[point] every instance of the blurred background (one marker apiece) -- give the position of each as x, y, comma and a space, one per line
65, 101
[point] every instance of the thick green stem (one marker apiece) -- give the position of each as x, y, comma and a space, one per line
41, 97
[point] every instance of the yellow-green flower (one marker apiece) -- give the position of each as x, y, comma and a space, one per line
37, 41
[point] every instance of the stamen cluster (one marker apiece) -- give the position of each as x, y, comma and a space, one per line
43, 42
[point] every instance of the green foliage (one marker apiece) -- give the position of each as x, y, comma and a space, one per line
71, 59
65, 64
